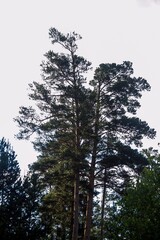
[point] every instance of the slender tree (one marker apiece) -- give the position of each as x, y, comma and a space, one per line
10, 188
60, 101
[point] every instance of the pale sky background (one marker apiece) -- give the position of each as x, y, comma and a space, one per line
112, 31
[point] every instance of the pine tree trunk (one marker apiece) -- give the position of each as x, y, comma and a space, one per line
103, 205
89, 210
76, 207
77, 163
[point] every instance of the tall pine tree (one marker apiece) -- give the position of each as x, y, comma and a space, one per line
78, 129
60, 100
117, 94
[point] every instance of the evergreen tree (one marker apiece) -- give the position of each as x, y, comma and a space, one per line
59, 119
80, 131
31, 224
10, 188
117, 94
19, 199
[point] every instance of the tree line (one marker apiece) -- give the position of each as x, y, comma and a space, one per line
87, 136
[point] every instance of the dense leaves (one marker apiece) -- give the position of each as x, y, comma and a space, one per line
136, 215
19, 199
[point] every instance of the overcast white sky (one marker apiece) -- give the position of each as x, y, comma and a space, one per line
112, 31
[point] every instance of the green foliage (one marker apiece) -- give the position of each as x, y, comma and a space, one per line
81, 133
19, 199
136, 215
10, 188
119, 93
31, 224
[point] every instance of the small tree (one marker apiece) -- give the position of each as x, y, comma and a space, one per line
10, 189
137, 214
31, 224
19, 199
